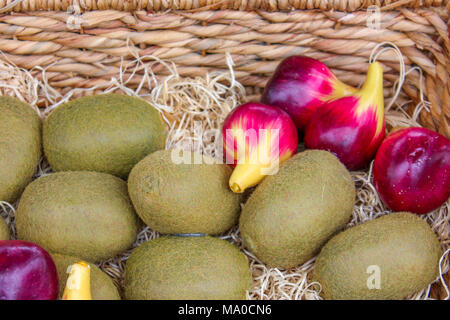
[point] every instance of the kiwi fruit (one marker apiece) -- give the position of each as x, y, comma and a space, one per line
292, 214
189, 195
4, 230
105, 133
187, 268
102, 286
83, 214
390, 257
20, 145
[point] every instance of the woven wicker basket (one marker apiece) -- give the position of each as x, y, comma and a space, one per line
82, 43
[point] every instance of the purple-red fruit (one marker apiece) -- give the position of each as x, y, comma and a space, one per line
257, 138
300, 85
412, 170
351, 127
27, 272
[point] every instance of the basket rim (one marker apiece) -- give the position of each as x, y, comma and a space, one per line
200, 5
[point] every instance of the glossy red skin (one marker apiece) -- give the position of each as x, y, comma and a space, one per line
27, 272
296, 86
335, 127
255, 115
411, 171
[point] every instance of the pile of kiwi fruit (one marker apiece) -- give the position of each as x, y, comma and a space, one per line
112, 176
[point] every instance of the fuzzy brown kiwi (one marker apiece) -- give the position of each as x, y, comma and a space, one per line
102, 286
187, 268
20, 145
390, 257
84, 214
105, 133
172, 196
4, 230
291, 215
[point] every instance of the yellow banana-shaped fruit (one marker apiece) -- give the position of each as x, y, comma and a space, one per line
78, 285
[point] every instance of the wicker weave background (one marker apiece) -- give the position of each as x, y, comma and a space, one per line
268, 5
85, 49
84, 43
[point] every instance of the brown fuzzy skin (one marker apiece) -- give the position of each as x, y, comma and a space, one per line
402, 245
4, 230
187, 268
102, 286
291, 215
83, 214
104, 133
20, 146
183, 198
